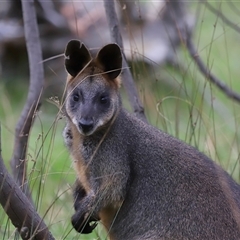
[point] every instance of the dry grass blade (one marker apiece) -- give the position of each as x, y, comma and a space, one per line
19, 208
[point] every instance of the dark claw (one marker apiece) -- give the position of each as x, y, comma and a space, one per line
82, 226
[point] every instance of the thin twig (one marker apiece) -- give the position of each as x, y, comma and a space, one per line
127, 78
222, 16
233, 8
0, 139
207, 73
23, 127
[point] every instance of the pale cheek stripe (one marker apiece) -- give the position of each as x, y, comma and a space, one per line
75, 121
100, 123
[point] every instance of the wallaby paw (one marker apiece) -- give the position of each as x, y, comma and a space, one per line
68, 138
83, 226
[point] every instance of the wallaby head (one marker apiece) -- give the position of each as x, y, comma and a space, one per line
92, 87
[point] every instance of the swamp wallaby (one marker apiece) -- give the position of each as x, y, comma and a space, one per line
140, 182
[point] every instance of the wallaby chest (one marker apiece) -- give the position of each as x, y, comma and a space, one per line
86, 151
81, 159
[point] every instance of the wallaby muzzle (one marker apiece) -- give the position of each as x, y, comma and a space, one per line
85, 125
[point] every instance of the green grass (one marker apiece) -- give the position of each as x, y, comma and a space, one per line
50, 171
179, 100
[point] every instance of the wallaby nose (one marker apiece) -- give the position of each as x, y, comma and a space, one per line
86, 125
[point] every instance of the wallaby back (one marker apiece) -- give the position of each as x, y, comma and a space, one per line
140, 182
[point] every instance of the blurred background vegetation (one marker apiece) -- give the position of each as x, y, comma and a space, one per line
177, 98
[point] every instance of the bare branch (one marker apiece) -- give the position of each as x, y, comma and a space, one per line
233, 7
19, 209
207, 73
51, 14
127, 78
222, 16
17, 205
18, 162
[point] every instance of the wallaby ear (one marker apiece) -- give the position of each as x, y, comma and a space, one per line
76, 57
110, 59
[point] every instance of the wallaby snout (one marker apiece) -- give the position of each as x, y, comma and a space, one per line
86, 125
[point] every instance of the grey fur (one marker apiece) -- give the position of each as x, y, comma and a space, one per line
157, 186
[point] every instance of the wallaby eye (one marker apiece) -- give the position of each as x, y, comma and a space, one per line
104, 99
75, 97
